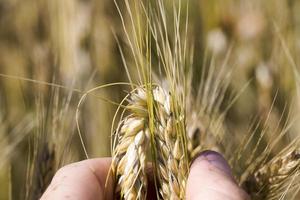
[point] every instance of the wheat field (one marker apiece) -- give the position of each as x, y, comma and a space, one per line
150, 82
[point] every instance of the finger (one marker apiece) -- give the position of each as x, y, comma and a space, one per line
211, 178
81, 180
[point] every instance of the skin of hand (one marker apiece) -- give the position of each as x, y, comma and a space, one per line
210, 178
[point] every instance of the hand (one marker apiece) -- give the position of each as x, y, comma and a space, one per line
83, 180
210, 178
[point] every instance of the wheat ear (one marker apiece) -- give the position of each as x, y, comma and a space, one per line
45, 169
172, 161
274, 177
133, 135
129, 155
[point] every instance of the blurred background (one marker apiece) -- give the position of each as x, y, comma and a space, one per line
72, 43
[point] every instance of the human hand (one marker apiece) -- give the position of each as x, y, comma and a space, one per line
210, 178
83, 180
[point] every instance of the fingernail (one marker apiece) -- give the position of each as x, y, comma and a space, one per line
215, 159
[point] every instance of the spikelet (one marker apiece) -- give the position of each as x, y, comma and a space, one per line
273, 178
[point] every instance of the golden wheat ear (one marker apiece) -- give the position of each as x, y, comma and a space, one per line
274, 178
133, 139
172, 160
129, 155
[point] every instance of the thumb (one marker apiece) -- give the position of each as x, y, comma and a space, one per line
211, 178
